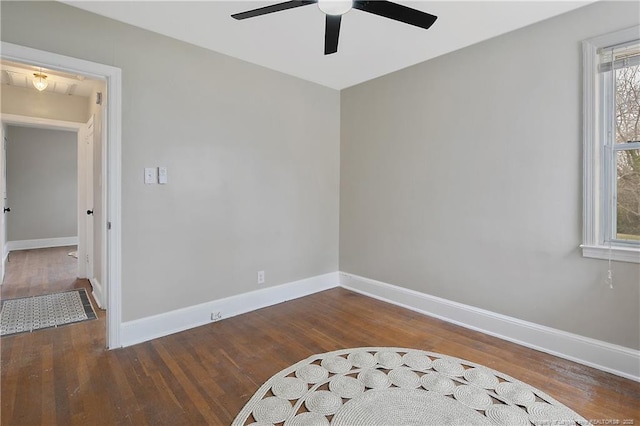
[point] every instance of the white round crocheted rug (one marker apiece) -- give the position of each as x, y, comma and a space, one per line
398, 386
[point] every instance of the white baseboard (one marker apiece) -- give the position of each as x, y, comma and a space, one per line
148, 328
615, 359
5, 257
619, 360
98, 292
41, 243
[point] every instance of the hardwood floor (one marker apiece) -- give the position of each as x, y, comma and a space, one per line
41, 271
205, 375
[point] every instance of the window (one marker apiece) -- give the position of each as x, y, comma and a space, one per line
612, 146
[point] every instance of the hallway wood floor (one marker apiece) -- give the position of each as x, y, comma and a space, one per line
205, 375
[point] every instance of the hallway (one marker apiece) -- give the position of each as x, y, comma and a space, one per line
41, 271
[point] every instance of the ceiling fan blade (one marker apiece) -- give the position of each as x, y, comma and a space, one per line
397, 12
272, 8
331, 33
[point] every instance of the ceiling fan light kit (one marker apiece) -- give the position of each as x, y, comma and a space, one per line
334, 9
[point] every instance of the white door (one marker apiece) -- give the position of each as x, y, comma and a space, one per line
3, 201
88, 210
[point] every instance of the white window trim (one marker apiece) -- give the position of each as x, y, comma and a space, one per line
594, 244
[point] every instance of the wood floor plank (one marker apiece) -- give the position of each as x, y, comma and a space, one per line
48, 408
205, 375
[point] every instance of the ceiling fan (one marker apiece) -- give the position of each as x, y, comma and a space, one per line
334, 9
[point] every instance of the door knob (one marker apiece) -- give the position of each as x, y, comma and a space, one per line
89, 211
6, 209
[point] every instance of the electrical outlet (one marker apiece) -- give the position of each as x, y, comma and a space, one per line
215, 316
260, 277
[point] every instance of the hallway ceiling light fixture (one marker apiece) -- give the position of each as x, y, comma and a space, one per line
40, 81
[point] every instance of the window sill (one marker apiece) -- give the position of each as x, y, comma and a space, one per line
621, 254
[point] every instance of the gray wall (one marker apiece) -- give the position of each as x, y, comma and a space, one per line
42, 190
461, 177
22, 101
252, 155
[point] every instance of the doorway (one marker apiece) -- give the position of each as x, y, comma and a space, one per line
48, 185
109, 176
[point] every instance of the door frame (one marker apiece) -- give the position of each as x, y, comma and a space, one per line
111, 166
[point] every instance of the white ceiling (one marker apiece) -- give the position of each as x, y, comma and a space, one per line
21, 75
292, 41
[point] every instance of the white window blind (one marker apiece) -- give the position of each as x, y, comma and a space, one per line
620, 56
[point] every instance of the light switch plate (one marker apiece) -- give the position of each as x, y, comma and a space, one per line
150, 175
162, 175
